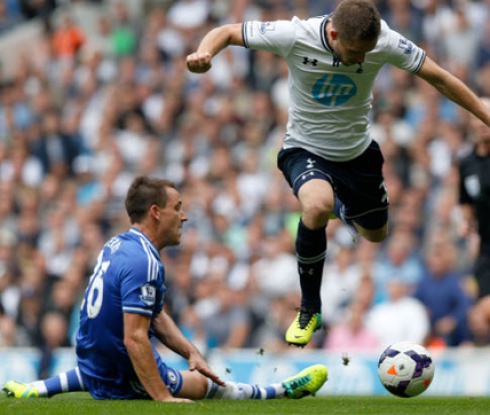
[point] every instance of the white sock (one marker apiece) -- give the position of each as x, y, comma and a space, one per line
41, 387
237, 391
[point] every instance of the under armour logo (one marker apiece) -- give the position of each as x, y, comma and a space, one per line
306, 61
311, 163
382, 187
309, 271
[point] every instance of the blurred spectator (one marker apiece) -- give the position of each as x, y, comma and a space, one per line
15, 114
222, 316
351, 333
400, 318
478, 320
10, 15
7, 329
54, 335
28, 319
188, 14
399, 260
483, 55
67, 40
437, 21
88, 188
55, 149
38, 8
9, 287
441, 289
462, 33
22, 168
341, 280
58, 240
123, 34
100, 41
273, 275
406, 18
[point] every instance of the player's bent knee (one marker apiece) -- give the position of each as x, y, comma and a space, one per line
194, 385
318, 209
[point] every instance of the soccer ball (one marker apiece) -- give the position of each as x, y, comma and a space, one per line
405, 369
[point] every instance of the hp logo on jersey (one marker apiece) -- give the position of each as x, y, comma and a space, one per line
334, 90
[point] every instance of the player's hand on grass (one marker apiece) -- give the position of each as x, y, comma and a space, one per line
176, 400
197, 362
199, 62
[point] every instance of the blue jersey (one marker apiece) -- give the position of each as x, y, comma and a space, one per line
129, 277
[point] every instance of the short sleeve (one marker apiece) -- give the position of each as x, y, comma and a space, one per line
142, 287
275, 36
401, 52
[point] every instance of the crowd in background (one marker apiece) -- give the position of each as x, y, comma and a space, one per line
86, 113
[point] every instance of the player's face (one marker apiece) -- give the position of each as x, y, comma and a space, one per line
352, 52
172, 218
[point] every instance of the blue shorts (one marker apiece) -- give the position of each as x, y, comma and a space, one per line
129, 387
358, 183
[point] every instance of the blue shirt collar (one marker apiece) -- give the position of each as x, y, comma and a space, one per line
150, 243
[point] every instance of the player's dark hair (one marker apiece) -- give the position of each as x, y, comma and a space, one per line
143, 193
357, 20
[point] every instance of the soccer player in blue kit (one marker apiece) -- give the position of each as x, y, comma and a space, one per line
329, 157
122, 311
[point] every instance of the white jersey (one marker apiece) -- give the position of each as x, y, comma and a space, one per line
329, 102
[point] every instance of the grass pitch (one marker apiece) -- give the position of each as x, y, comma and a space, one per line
82, 403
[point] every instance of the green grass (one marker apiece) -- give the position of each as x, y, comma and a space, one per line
82, 403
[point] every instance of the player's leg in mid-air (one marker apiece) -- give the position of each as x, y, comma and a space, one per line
312, 186
316, 198
354, 191
361, 194
376, 222
307, 382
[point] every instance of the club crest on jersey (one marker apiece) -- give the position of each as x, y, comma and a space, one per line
148, 294
310, 163
405, 44
334, 89
267, 27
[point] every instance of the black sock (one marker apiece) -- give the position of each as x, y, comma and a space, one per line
311, 245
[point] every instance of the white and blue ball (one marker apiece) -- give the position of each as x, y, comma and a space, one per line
406, 369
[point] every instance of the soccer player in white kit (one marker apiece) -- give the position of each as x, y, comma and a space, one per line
329, 157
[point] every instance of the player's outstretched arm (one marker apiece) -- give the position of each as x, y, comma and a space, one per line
453, 88
216, 40
138, 345
171, 336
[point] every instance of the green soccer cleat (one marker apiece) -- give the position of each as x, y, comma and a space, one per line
304, 325
20, 390
307, 382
